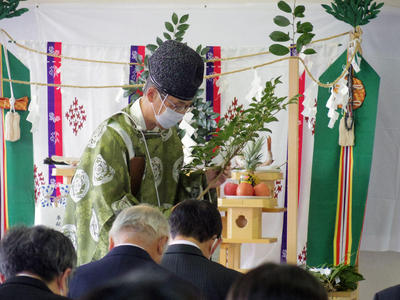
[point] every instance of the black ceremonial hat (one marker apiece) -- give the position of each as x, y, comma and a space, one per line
176, 69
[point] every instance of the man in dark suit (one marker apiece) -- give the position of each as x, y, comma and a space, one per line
196, 232
137, 240
389, 293
36, 263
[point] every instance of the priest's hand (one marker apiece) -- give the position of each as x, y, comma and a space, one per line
212, 174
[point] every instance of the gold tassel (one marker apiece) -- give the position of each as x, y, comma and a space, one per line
346, 136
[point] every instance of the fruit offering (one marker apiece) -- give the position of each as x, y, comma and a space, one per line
262, 189
245, 189
230, 189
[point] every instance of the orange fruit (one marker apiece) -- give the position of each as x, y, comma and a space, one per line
262, 189
245, 189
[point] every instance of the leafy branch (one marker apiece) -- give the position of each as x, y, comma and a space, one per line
337, 278
242, 127
203, 114
354, 12
8, 9
304, 29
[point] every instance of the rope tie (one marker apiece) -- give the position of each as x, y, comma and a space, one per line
355, 36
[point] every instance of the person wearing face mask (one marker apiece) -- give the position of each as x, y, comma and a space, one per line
35, 264
136, 156
196, 229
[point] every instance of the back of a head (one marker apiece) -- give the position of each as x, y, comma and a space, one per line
142, 220
200, 220
145, 285
277, 282
39, 250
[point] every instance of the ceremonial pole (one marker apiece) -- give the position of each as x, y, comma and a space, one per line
293, 160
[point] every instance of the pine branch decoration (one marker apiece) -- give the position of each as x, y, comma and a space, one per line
354, 12
8, 9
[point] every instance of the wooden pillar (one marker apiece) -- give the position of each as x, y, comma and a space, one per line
293, 162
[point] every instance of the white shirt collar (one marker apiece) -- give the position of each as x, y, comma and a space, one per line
137, 115
183, 242
130, 244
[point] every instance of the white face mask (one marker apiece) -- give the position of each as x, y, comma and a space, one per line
168, 118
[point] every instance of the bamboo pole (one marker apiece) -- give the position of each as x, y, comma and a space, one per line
293, 161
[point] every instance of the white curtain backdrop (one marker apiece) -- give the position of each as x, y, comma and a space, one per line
237, 28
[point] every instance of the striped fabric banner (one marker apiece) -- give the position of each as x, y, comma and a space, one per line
133, 75
17, 190
343, 231
54, 109
212, 95
4, 195
302, 84
340, 176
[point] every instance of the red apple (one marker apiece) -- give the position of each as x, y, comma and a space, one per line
262, 189
230, 189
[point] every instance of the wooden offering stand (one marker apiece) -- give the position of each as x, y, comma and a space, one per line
68, 170
344, 295
66, 173
242, 222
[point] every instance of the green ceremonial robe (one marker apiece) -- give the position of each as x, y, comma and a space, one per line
101, 186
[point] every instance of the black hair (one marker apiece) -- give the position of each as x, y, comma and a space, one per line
198, 219
40, 250
145, 284
277, 282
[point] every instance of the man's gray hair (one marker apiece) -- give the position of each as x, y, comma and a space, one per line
143, 219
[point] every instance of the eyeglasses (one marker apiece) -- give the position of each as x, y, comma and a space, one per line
178, 108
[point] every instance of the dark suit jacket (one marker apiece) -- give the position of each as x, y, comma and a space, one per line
389, 293
118, 262
188, 262
27, 288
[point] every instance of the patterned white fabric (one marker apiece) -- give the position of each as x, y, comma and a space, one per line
102, 171
80, 185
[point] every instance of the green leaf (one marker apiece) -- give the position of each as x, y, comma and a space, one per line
152, 47
282, 5
281, 21
180, 33
299, 11
183, 27
304, 27
305, 38
278, 49
309, 51
139, 59
167, 36
326, 7
175, 18
198, 49
204, 51
159, 41
184, 18
179, 39
169, 26
145, 74
279, 36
